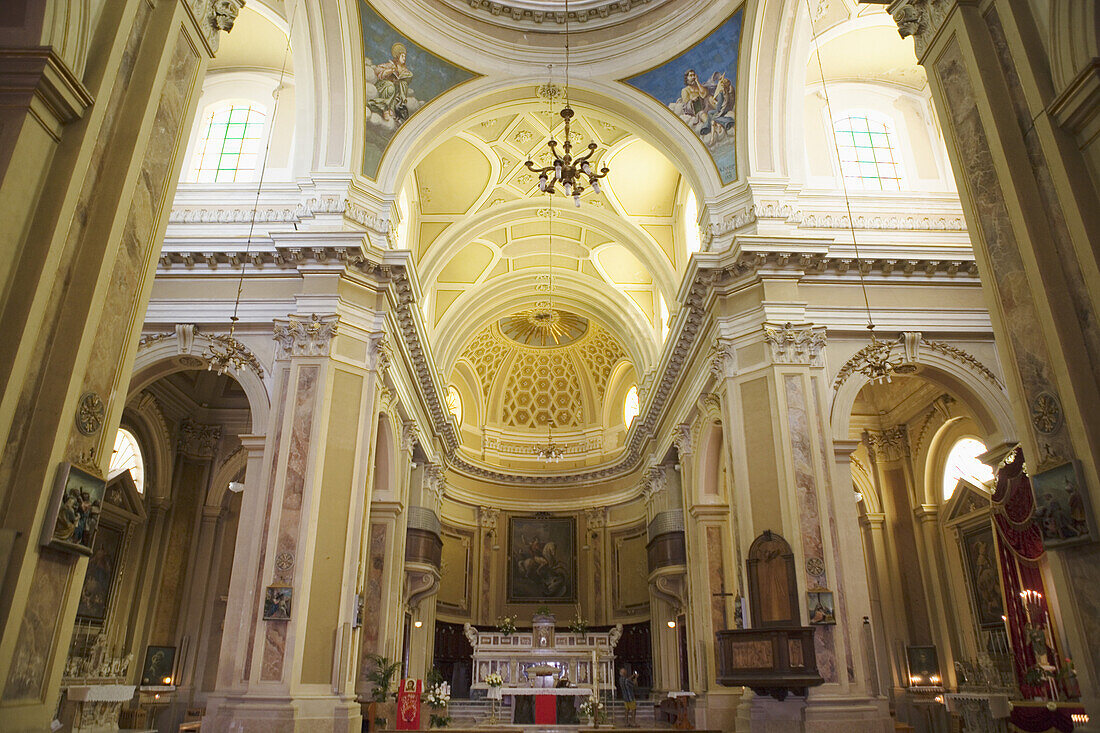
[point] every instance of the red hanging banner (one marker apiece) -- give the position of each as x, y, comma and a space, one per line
408, 705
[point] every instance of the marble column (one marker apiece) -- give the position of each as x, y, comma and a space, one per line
296, 671
1017, 101
85, 204
786, 480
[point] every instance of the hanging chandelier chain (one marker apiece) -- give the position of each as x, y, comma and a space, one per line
231, 355
840, 167
876, 362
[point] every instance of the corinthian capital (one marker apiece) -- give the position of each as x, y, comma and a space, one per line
792, 345
723, 359
304, 336
919, 19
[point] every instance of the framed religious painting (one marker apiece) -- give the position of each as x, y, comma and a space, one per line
924, 666
819, 604
277, 602
72, 519
99, 580
1062, 509
159, 667
983, 574
542, 559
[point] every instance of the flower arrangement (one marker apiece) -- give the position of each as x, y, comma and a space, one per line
507, 624
494, 680
542, 610
579, 624
592, 708
437, 698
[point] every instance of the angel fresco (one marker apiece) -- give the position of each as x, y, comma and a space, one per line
699, 87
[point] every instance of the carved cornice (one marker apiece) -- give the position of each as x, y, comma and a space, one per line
791, 345
304, 336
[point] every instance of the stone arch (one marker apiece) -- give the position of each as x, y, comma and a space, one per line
231, 469
1074, 39
486, 97
164, 354
962, 375
939, 446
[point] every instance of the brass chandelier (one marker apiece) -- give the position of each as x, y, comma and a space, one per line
573, 174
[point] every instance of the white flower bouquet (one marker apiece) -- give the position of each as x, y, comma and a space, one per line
438, 696
592, 708
494, 680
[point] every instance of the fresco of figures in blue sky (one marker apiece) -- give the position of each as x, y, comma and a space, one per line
700, 87
401, 77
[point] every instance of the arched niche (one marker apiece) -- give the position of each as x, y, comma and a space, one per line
711, 460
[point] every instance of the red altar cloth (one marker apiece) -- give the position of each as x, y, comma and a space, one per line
408, 705
1040, 719
546, 710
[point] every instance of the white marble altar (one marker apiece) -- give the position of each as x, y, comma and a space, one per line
583, 658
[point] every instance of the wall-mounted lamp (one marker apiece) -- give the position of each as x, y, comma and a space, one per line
236, 487
671, 624
418, 623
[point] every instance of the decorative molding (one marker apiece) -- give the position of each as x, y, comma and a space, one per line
723, 359
790, 345
304, 336
487, 518
912, 342
890, 444
595, 517
198, 440
921, 19
185, 335
89, 413
538, 14
682, 438
941, 406
436, 482
654, 482
379, 354
409, 437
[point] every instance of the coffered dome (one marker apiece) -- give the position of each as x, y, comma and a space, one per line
543, 374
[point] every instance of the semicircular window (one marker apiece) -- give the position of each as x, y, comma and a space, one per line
127, 455
963, 463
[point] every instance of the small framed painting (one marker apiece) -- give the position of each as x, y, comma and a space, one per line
820, 606
72, 520
924, 666
277, 602
159, 666
1062, 508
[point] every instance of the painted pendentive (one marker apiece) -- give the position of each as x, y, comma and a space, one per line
400, 77
700, 87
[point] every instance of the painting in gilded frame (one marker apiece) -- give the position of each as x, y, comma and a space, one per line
542, 559
400, 77
700, 87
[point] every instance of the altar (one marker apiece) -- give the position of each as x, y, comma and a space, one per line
545, 706
540, 657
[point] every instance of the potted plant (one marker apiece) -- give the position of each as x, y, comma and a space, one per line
543, 615
437, 697
381, 677
578, 625
507, 624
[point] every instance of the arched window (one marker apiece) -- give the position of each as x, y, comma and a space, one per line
228, 148
127, 455
454, 403
868, 154
631, 407
963, 463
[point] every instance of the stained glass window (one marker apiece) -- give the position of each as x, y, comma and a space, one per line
963, 463
229, 146
127, 455
631, 408
868, 156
